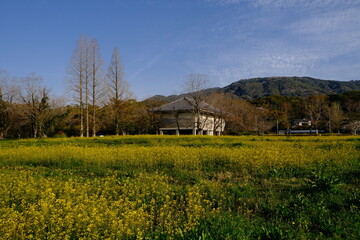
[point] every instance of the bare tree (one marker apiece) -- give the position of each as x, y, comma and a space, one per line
222, 102
87, 84
79, 70
119, 88
316, 107
36, 99
262, 120
240, 115
194, 86
11, 113
336, 116
8, 88
97, 80
353, 126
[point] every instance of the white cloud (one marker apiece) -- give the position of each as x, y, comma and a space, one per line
285, 3
301, 3
300, 38
230, 67
330, 34
333, 21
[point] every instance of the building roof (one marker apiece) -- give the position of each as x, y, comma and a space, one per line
186, 104
302, 120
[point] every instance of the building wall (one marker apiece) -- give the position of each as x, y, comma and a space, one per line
169, 121
189, 121
210, 122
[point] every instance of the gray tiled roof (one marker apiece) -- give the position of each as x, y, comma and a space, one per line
186, 104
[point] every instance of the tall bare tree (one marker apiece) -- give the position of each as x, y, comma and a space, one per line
79, 71
97, 81
194, 86
119, 88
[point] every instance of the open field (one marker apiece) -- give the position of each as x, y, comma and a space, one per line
180, 187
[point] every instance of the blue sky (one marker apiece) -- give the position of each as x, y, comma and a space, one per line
162, 41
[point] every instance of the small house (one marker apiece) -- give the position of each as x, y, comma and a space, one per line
185, 117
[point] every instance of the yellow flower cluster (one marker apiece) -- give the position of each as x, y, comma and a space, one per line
253, 155
35, 207
68, 191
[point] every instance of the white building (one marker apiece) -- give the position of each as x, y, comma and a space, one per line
301, 123
184, 116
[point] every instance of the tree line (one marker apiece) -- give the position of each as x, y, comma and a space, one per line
338, 113
102, 103
28, 109
100, 100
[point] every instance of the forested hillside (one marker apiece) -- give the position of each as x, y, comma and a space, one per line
251, 89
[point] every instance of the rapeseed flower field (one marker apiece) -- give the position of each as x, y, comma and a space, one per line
180, 187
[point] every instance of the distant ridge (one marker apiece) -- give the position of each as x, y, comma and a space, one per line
254, 88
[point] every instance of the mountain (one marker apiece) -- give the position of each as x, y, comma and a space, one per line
288, 86
254, 88
166, 99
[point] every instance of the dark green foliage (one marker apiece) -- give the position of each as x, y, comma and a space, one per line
321, 181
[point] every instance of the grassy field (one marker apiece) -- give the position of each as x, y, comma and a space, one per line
180, 187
